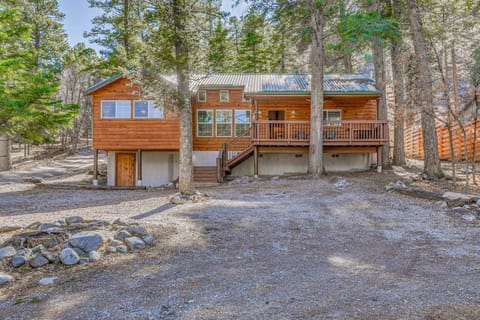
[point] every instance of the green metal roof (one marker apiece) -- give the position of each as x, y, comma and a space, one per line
284, 84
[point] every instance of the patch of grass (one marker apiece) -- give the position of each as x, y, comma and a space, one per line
19, 300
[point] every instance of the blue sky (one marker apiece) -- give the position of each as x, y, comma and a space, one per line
78, 16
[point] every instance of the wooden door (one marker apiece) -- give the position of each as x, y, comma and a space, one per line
277, 130
125, 169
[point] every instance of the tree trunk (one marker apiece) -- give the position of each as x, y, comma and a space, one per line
474, 148
399, 88
315, 158
380, 80
5, 163
186, 184
431, 167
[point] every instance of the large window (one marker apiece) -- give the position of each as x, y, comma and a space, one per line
332, 116
242, 121
148, 109
204, 123
120, 109
223, 120
224, 96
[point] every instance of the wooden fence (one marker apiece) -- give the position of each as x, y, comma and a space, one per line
414, 142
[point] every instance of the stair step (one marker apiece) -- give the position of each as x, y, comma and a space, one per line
205, 174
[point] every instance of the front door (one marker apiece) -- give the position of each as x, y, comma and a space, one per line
277, 130
125, 169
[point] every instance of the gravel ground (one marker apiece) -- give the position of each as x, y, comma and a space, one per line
278, 249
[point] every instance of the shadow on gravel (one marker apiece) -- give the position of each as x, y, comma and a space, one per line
160, 209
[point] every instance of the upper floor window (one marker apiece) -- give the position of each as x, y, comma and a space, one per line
332, 116
204, 123
242, 121
224, 96
202, 95
120, 109
148, 109
223, 120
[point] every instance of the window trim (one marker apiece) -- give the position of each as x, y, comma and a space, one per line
198, 95
148, 112
114, 101
212, 123
231, 123
334, 110
228, 96
235, 120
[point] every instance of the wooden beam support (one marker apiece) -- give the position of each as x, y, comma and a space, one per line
95, 167
139, 167
255, 161
379, 159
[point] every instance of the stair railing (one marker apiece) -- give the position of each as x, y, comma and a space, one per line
239, 144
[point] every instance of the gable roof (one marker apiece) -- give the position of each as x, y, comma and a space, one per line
256, 83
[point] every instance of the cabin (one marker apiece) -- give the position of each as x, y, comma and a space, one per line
243, 124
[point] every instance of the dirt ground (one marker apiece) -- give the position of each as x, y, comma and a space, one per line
291, 248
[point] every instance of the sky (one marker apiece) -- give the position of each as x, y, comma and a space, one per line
78, 16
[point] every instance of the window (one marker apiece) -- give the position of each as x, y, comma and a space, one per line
224, 96
148, 109
223, 120
204, 123
242, 121
116, 109
332, 116
202, 96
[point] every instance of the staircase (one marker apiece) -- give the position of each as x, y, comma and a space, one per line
234, 153
205, 175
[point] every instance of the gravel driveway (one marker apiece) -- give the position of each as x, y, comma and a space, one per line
279, 249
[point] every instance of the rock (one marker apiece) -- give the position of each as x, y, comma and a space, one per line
34, 225
135, 243
122, 249
83, 260
241, 180
468, 217
61, 223
111, 249
98, 223
116, 243
80, 252
443, 205
39, 261
94, 256
19, 260
179, 198
7, 251
46, 226
33, 180
50, 256
69, 257
87, 240
398, 184
122, 234
74, 219
138, 231
5, 277
275, 178
149, 239
455, 199
125, 222
38, 249
47, 281
340, 183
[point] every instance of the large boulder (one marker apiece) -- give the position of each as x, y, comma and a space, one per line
87, 240
68, 256
8, 251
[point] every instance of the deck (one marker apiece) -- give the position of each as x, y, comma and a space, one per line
337, 133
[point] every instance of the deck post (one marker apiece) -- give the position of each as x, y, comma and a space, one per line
379, 159
95, 167
255, 161
139, 167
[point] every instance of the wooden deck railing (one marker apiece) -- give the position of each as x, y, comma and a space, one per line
335, 133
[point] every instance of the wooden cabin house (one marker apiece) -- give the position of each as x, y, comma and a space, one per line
243, 124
